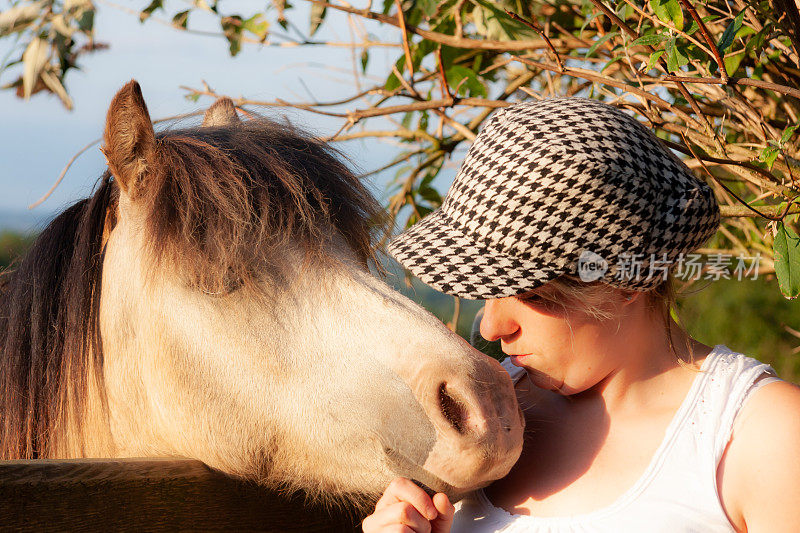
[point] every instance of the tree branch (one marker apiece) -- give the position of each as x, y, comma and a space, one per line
709, 40
449, 40
736, 81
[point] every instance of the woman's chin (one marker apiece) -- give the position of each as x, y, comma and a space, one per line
545, 381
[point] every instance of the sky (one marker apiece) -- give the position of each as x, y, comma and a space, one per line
39, 136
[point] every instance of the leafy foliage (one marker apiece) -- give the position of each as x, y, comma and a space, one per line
51, 36
717, 81
786, 247
750, 316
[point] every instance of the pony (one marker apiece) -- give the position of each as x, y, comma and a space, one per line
212, 300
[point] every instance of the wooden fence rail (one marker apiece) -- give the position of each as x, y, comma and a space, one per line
148, 495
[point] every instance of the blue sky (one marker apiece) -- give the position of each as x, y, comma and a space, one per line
39, 136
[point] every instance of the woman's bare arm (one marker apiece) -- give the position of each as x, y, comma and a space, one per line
760, 475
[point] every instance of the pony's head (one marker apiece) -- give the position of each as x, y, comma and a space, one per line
236, 322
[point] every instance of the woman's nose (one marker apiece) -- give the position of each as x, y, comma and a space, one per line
497, 322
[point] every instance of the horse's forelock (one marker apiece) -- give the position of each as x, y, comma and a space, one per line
224, 201
221, 202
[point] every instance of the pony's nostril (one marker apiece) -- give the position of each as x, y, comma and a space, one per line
454, 411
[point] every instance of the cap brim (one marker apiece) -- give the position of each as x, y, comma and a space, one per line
450, 261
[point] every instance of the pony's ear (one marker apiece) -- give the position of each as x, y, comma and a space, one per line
129, 141
221, 113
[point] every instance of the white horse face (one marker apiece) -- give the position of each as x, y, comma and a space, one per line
316, 375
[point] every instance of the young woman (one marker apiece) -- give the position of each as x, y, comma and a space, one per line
567, 216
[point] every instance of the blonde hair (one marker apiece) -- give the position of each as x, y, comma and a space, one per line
593, 299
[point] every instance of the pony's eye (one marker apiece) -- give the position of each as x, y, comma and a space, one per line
228, 284
231, 283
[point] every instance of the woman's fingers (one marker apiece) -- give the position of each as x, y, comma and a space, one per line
404, 490
444, 521
399, 516
406, 507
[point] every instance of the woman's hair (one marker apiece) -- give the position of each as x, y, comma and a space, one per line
594, 299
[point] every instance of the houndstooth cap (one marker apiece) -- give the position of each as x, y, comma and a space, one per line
547, 185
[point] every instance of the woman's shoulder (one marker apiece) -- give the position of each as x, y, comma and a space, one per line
761, 465
772, 407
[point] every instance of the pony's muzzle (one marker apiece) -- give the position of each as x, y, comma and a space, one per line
478, 422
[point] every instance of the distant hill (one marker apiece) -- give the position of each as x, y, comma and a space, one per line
24, 220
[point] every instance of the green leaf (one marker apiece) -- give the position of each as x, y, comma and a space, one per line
653, 58
420, 50
232, 28
466, 81
668, 11
406, 122
364, 60
786, 247
611, 62
424, 211
392, 82
428, 7
317, 16
695, 52
493, 22
694, 26
730, 33
732, 62
788, 133
769, 155
86, 20
153, 6
431, 195
587, 20
672, 62
181, 19
650, 39
423, 121
257, 26
600, 41
427, 179
757, 41
675, 56
625, 11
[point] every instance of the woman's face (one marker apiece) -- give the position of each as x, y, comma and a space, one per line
563, 350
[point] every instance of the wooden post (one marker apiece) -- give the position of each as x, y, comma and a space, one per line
148, 495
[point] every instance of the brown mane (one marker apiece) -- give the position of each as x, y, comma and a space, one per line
222, 203
48, 327
225, 199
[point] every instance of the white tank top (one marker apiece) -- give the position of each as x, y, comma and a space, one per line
678, 491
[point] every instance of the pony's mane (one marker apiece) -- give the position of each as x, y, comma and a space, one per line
220, 204
48, 327
224, 202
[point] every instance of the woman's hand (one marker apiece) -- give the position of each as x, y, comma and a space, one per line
406, 508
